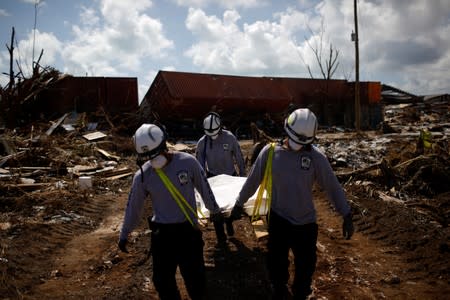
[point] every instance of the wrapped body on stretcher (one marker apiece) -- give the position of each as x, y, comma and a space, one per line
226, 189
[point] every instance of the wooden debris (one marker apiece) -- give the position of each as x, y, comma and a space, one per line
260, 229
29, 169
180, 147
119, 176
94, 136
390, 175
388, 198
107, 154
29, 186
111, 172
345, 175
83, 170
8, 147
56, 124
107, 119
12, 156
259, 135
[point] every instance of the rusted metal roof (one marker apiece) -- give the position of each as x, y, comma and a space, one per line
212, 86
88, 94
181, 96
176, 95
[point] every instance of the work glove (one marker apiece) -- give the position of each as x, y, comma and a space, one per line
217, 217
123, 245
236, 212
347, 226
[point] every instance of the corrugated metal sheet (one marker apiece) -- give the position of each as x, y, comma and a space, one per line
175, 95
371, 91
211, 86
180, 96
87, 94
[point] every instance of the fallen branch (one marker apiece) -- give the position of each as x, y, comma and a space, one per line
348, 174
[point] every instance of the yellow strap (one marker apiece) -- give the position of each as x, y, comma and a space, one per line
177, 196
266, 185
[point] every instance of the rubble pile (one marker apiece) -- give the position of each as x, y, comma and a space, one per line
59, 178
52, 157
399, 182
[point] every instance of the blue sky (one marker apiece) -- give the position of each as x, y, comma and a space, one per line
405, 43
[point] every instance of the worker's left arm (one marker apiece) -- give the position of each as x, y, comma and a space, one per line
133, 211
330, 184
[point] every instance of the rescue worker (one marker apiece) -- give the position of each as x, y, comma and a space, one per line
168, 179
219, 152
296, 166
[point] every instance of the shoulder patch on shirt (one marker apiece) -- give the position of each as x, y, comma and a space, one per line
226, 147
305, 162
183, 177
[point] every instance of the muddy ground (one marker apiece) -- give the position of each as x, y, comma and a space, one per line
60, 242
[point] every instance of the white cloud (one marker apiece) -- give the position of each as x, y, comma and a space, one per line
24, 51
4, 13
229, 4
119, 39
89, 17
30, 1
4, 61
255, 49
148, 78
23, 54
119, 11
406, 39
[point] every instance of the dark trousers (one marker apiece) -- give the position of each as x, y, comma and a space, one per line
219, 226
177, 245
302, 239
220, 231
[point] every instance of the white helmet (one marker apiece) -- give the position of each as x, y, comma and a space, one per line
212, 124
150, 140
301, 126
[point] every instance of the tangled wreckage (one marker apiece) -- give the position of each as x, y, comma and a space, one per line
66, 155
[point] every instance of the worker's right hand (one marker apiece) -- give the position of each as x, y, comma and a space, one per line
123, 245
236, 212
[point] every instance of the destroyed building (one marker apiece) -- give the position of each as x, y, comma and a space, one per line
180, 100
51, 94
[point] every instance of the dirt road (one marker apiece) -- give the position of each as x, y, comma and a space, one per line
79, 259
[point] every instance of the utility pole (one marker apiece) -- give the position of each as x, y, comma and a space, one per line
11, 61
357, 100
33, 67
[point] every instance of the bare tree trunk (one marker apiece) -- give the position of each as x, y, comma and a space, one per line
36, 65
